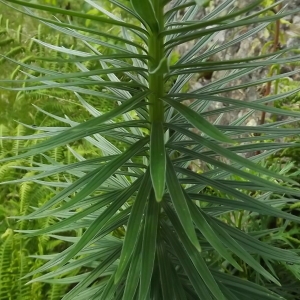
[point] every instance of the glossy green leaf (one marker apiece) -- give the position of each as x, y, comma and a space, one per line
180, 204
79, 131
194, 255
158, 160
94, 275
189, 268
164, 271
236, 248
198, 121
229, 154
146, 12
132, 280
239, 284
149, 246
210, 236
93, 179
56, 10
135, 223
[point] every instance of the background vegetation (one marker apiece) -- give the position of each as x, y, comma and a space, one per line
16, 32
22, 198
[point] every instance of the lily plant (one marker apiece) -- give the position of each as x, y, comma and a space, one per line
153, 226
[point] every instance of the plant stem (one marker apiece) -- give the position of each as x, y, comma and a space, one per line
156, 81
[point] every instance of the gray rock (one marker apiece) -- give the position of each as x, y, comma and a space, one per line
251, 46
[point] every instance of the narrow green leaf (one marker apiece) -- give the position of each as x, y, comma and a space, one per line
232, 170
224, 186
184, 259
146, 11
164, 270
60, 76
158, 160
56, 10
210, 235
94, 275
198, 121
177, 284
79, 131
115, 222
227, 293
109, 290
96, 226
155, 284
194, 255
103, 201
255, 291
257, 104
133, 275
237, 249
49, 170
101, 255
254, 245
135, 223
64, 194
196, 62
149, 246
91, 57
92, 180
190, 31
127, 9
229, 154
180, 204
207, 66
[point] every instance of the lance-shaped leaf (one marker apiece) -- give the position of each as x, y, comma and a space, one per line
80, 131
132, 279
198, 121
92, 180
146, 11
134, 224
180, 204
158, 159
149, 246
194, 255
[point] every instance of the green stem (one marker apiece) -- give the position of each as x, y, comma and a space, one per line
156, 81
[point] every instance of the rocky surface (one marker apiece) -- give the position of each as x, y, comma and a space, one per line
251, 46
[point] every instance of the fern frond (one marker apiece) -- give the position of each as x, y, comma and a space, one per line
6, 249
